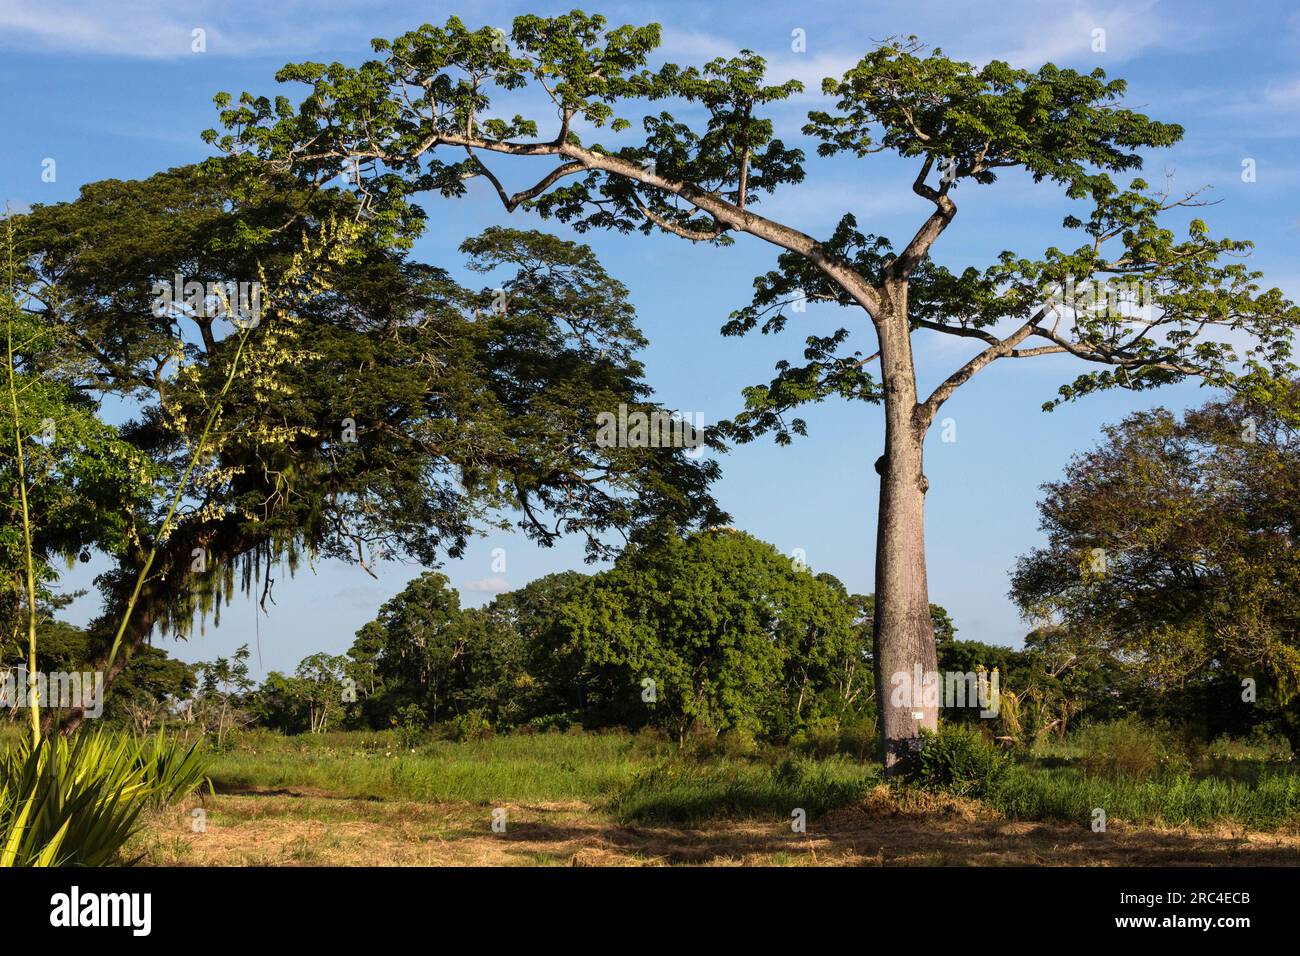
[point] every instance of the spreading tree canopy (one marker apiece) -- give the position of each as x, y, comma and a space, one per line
719, 630
426, 115
372, 408
1173, 546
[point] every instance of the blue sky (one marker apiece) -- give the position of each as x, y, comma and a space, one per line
113, 89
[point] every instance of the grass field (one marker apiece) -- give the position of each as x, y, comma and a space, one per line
611, 798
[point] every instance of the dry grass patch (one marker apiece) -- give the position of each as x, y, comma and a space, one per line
888, 828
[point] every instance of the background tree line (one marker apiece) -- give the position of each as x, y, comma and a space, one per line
1165, 591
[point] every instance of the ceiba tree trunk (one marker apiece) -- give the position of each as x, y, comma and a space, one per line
902, 632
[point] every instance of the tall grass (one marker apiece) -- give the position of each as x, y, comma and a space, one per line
1136, 773
645, 779
633, 777
540, 768
1271, 800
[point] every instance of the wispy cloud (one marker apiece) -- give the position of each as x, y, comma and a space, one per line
809, 68
1086, 33
1025, 33
1283, 93
112, 27
144, 29
1255, 107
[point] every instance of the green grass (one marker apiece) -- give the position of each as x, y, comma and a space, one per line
1269, 800
640, 778
1145, 774
537, 768
687, 791
646, 779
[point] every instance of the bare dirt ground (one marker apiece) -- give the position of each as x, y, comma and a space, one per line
305, 828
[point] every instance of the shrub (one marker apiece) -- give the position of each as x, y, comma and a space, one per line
411, 725
820, 737
169, 770
472, 725
737, 743
1260, 745
825, 737
858, 739
960, 759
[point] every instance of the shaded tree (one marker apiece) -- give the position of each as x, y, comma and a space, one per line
380, 409
1173, 546
718, 630
418, 647
219, 705
549, 682
309, 700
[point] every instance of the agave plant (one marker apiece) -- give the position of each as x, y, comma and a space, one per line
77, 802
169, 770
69, 802
23, 845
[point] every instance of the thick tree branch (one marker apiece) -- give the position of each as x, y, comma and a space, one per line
726, 213
512, 203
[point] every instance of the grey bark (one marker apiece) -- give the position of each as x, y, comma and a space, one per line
902, 632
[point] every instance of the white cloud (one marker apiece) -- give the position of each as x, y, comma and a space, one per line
1034, 34
1027, 32
1248, 109
1285, 93
149, 30
808, 68
488, 585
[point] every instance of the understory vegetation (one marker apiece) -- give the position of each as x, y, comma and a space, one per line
647, 777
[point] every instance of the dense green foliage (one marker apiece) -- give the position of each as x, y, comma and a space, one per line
1172, 546
719, 630
961, 759
372, 408
713, 632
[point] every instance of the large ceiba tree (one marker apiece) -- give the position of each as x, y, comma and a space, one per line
375, 409
419, 118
